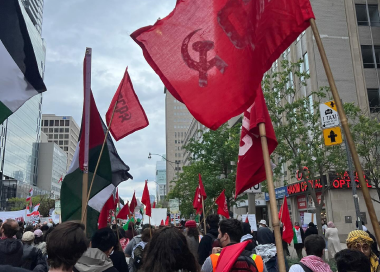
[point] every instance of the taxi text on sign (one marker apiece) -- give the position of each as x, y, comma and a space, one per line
332, 136
329, 114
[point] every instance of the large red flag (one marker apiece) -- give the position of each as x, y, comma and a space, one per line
250, 168
197, 202
133, 204
129, 114
124, 212
229, 255
221, 201
287, 227
210, 54
201, 188
146, 200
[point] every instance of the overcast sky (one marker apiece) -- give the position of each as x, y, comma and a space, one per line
69, 27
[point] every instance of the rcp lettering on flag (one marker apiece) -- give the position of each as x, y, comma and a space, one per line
210, 54
122, 109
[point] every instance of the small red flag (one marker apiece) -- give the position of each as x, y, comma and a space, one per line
204, 49
154, 204
124, 212
167, 221
221, 201
201, 188
197, 202
133, 204
250, 168
146, 200
129, 114
104, 213
229, 255
162, 223
287, 228
246, 219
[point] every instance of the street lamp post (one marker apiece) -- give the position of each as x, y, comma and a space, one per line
170, 162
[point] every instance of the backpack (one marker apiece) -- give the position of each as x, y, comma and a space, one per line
137, 257
244, 263
30, 262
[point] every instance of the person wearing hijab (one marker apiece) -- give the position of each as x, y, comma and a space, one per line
333, 242
360, 240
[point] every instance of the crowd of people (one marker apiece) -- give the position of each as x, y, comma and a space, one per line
185, 248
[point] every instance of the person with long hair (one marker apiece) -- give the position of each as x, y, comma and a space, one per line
168, 252
192, 237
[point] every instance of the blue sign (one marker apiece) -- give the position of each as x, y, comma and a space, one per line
280, 193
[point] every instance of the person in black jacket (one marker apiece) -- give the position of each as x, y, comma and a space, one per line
10, 248
206, 244
32, 257
117, 256
312, 229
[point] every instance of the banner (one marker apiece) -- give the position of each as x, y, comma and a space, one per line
16, 215
158, 214
251, 219
174, 205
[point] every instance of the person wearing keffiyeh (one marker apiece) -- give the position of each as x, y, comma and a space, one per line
314, 246
360, 240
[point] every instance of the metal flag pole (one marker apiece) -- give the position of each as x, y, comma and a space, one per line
272, 199
87, 101
347, 132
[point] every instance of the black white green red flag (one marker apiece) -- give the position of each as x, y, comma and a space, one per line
111, 172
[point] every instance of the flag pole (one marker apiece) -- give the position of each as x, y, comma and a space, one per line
347, 132
97, 164
150, 228
204, 215
272, 199
87, 101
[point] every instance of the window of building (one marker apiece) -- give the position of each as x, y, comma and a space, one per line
60, 142
51, 130
67, 123
66, 142
60, 136
374, 100
56, 142
176, 155
50, 136
374, 17
175, 134
362, 15
66, 136
67, 130
56, 123
65, 148
51, 123
45, 130
175, 141
61, 123
56, 130
55, 136
367, 54
46, 123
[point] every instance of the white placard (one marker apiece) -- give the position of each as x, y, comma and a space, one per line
17, 215
158, 214
309, 217
251, 220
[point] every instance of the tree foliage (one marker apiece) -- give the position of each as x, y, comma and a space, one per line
211, 156
46, 203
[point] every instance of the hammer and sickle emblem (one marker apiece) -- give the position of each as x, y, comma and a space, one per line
203, 65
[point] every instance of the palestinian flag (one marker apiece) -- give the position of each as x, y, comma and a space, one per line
20, 78
111, 172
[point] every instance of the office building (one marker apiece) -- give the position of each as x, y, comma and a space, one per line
161, 180
63, 131
34, 8
178, 120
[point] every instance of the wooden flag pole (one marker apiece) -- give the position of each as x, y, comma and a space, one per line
272, 199
347, 132
87, 99
97, 164
150, 228
204, 215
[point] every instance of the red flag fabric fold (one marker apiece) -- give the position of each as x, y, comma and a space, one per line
229, 255
201, 188
162, 222
167, 221
133, 204
210, 54
221, 201
129, 115
197, 202
250, 168
104, 213
146, 200
124, 212
287, 227
154, 204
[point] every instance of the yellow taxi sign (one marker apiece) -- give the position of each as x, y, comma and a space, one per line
332, 136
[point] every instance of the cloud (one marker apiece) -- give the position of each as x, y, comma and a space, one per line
72, 25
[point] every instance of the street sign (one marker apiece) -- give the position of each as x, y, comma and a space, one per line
329, 114
254, 189
332, 136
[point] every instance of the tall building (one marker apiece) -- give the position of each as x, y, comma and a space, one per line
178, 120
34, 8
161, 179
63, 131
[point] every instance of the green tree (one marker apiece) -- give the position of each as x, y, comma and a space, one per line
211, 156
44, 200
298, 129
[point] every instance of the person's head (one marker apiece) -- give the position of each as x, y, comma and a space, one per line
212, 221
65, 245
296, 224
28, 238
168, 251
246, 227
147, 226
314, 245
230, 231
44, 227
145, 235
348, 260
38, 236
29, 228
263, 223
191, 229
10, 228
131, 226
360, 240
330, 224
311, 225
104, 239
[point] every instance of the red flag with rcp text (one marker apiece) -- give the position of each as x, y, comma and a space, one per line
201, 188
146, 200
250, 167
210, 54
124, 212
221, 201
129, 115
197, 202
133, 204
287, 227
